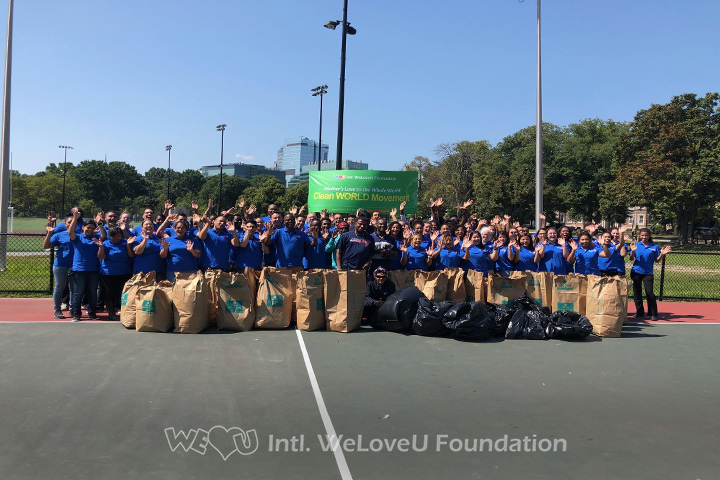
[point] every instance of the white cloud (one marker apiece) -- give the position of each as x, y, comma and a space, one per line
242, 156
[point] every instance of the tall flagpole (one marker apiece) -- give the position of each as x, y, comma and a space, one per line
5, 159
538, 128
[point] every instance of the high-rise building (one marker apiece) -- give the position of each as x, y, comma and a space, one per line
298, 152
242, 170
304, 175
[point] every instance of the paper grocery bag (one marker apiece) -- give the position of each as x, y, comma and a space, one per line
344, 299
568, 293
505, 290
455, 285
127, 298
606, 304
211, 279
432, 284
190, 303
402, 279
236, 301
539, 286
475, 286
153, 308
275, 298
310, 300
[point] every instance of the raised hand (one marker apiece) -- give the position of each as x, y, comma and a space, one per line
241, 203
466, 244
196, 218
633, 247
432, 202
99, 217
325, 234
561, 241
574, 245
230, 211
131, 240
429, 251
164, 244
230, 227
50, 226
393, 212
194, 205
51, 216
666, 249
540, 249
403, 247
189, 245
97, 241
324, 212
76, 214
440, 202
210, 203
293, 210
482, 222
591, 229
302, 209
402, 206
251, 210
516, 224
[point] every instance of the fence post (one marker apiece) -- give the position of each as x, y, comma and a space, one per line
52, 260
662, 279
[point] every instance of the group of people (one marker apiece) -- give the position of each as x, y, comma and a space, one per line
99, 255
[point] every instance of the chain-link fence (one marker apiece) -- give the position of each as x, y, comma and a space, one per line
688, 276
25, 266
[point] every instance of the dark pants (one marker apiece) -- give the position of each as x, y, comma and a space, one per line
113, 287
84, 283
639, 281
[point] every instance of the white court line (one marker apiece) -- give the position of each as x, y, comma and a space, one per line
329, 429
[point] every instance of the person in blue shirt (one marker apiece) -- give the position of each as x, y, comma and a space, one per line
315, 255
414, 256
448, 254
251, 250
150, 251
272, 208
585, 256
331, 246
385, 249
275, 224
555, 254
289, 243
478, 256
396, 233
645, 253
500, 255
617, 262
217, 242
183, 251
524, 256
612, 262
115, 257
63, 260
86, 265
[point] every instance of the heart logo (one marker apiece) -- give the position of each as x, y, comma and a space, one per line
222, 440
246, 442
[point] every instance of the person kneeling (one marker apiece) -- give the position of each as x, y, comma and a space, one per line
376, 292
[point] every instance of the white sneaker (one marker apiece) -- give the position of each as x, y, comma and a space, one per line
64, 306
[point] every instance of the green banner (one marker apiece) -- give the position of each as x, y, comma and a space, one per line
344, 191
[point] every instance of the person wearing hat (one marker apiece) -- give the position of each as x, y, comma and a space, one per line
331, 245
376, 292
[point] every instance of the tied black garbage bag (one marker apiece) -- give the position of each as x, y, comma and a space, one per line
529, 320
428, 320
469, 321
568, 326
500, 316
397, 312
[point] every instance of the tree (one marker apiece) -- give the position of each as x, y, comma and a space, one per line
456, 170
265, 189
294, 195
35, 195
233, 188
106, 184
669, 159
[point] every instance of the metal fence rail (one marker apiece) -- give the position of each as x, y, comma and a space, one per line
27, 266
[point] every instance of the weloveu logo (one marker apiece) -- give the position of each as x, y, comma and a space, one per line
339, 177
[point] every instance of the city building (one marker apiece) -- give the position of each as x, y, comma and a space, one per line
297, 152
304, 175
242, 170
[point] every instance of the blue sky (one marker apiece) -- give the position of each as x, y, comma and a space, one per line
124, 79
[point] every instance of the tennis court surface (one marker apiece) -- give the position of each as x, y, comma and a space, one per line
93, 400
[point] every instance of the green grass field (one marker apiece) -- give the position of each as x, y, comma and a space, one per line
26, 274
29, 225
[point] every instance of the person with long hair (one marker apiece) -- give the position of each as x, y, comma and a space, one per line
448, 254
613, 261
500, 255
150, 251
645, 253
184, 251
585, 255
115, 257
415, 257
396, 233
555, 254
524, 256
477, 255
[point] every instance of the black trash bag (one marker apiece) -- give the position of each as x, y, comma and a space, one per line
428, 319
568, 326
397, 312
500, 316
469, 321
529, 320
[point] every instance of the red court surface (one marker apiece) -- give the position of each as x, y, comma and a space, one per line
41, 310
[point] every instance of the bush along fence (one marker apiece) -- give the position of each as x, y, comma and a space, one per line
27, 268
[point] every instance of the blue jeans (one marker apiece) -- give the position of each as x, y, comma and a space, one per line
84, 282
61, 281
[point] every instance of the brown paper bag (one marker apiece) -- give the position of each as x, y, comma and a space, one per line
211, 278
153, 308
310, 300
607, 304
568, 293
539, 287
127, 298
190, 303
475, 286
275, 298
505, 290
402, 279
236, 301
455, 285
432, 284
344, 299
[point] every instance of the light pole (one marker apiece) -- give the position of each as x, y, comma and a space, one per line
221, 129
347, 30
320, 91
62, 208
168, 148
5, 148
538, 128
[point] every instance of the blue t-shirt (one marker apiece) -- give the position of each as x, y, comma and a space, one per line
525, 260
179, 258
479, 259
586, 261
251, 255
416, 258
85, 255
450, 258
503, 262
216, 249
116, 261
553, 260
63, 228
64, 249
645, 258
315, 257
356, 250
149, 260
290, 247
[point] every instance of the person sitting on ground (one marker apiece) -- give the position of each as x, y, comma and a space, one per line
376, 292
